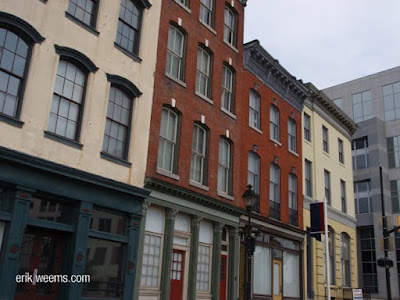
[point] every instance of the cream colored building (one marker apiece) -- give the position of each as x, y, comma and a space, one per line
327, 172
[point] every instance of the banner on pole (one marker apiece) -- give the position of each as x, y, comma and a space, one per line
317, 220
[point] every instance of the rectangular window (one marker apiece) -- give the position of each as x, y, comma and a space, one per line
262, 271
359, 149
345, 260
292, 135
325, 139
274, 123
203, 75
341, 153
327, 177
293, 199
307, 127
274, 192
254, 110
291, 282
175, 53
167, 147
343, 195
227, 101
308, 178
151, 260
224, 167
362, 197
394, 191
84, 10
368, 260
198, 160
393, 149
206, 12
253, 175
362, 106
391, 101
230, 27
203, 268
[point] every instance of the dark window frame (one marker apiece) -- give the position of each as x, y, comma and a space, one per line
327, 185
275, 204
93, 21
308, 181
341, 150
325, 139
307, 127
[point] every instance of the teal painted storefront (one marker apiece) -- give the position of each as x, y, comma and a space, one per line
93, 224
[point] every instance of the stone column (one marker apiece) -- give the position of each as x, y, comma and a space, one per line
139, 259
234, 258
170, 215
194, 251
216, 266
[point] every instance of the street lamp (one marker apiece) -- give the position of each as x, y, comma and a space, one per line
249, 198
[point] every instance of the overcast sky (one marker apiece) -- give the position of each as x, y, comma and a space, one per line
327, 42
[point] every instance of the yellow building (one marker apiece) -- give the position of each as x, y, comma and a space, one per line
328, 172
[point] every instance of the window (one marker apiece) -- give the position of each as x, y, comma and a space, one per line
129, 25
393, 148
292, 135
253, 175
175, 53
362, 106
331, 245
167, 147
345, 239
184, 2
198, 165
203, 75
338, 102
206, 12
225, 166
293, 199
394, 191
327, 177
340, 148
118, 123
84, 10
274, 123
254, 110
307, 127
230, 26
359, 149
67, 104
13, 71
204, 257
325, 139
368, 259
362, 197
274, 191
308, 178
343, 195
391, 101
227, 101
262, 270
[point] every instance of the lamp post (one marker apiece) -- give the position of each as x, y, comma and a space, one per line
250, 198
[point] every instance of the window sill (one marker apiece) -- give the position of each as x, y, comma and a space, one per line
225, 195
178, 81
80, 23
208, 27
326, 153
276, 142
233, 116
307, 142
116, 160
232, 47
63, 140
256, 129
183, 6
167, 174
204, 98
342, 164
294, 153
198, 185
12, 121
126, 52
44, 1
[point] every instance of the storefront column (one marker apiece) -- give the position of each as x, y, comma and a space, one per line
139, 260
216, 262
234, 253
80, 242
194, 250
170, 215
9, 265
132, 251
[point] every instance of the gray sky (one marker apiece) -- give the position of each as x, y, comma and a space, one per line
327, 42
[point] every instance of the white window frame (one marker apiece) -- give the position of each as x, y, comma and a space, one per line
230, 26
171, 53
307, 127
198, 154
292, 139
203, 72
227, 89
164, 140
225, 168
254, 110
205, 9
274, 124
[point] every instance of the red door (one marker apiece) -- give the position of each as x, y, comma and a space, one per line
222, 287
41, 254
177, 270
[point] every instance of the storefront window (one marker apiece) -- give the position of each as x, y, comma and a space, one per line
291, 287
108, 222
60, 211
262, 271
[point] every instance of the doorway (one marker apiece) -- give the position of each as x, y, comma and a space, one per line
222, 287
177, 274
277, 279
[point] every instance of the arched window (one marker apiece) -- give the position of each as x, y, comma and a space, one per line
254, 110
274, 123
198, 164
332, 263
227, 94
203, 74
230, 26
293, 199
345, 259
176, 53
274, 191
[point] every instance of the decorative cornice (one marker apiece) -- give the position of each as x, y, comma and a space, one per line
23, 27
76, 56
124, 83
168, 188
319, 97
266, 68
